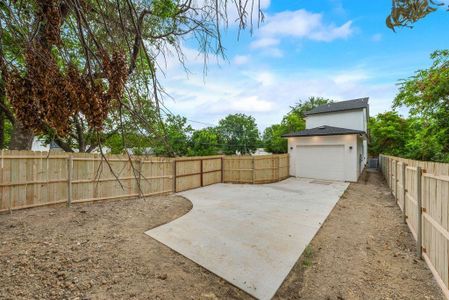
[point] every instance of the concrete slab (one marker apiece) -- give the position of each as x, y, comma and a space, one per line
251, 235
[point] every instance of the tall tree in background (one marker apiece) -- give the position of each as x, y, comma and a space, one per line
239, 133
205, 142
291, 122
426, 94
67, 59
177, 134
389, 134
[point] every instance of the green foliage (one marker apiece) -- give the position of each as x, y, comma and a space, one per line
426, 144
205, 142
273, 140
176, 133
238, 133
426, 94
291, 122
389, 134
303, 106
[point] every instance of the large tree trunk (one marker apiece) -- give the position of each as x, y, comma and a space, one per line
21, 138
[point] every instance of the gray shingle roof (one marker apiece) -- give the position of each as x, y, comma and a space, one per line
339, 106
323, 130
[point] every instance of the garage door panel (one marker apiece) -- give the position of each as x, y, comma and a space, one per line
321, 162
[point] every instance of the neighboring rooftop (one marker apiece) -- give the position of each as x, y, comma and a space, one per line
340, 106
324, 130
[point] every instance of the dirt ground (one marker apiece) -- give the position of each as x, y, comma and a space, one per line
100, 251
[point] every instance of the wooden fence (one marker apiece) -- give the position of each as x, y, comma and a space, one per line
255, 169
30, 179
421, 190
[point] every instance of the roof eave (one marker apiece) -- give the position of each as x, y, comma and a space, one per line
306, 114
324, 134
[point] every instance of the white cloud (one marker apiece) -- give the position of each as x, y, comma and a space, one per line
267, 94
241, 59
349, 76
265, 78
299, 24
265, 42
250, 104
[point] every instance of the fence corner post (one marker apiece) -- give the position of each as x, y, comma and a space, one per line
69, 180
404, 192
420, 210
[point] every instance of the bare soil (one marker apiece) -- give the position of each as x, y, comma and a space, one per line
100, 251
362, 251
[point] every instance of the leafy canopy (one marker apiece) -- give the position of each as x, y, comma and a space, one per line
426, 94
291, 122
239, 134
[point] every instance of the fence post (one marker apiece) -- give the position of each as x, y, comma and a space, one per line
221, 167
174, 175
396, 180
139, 176
404, 191
279, 167
69, 180
254, 170
201, 172
390, 172
419, 201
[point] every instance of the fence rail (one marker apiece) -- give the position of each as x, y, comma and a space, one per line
421, 190
31, 179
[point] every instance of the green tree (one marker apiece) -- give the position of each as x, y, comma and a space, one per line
425, 143
273, 140
426, 94
291, 122
302, 107
176, 134
205, 142
389, 134
238, 133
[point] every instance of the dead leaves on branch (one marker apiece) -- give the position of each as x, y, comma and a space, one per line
48, 93
48, 96
406, 12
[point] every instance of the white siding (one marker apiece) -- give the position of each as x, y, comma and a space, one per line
352, 119
351, 145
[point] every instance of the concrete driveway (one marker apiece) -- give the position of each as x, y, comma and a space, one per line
251, 235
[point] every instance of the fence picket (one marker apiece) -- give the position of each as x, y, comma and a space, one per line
29, 179
425, 203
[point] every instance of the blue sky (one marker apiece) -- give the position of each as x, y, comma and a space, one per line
330, 48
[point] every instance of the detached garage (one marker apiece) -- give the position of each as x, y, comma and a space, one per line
326, 152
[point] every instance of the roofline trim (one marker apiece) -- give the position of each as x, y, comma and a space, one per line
324, 134
306, 114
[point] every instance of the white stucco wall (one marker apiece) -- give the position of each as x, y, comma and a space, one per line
352, 119
351, 158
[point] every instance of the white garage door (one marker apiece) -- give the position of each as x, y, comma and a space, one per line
321, 162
